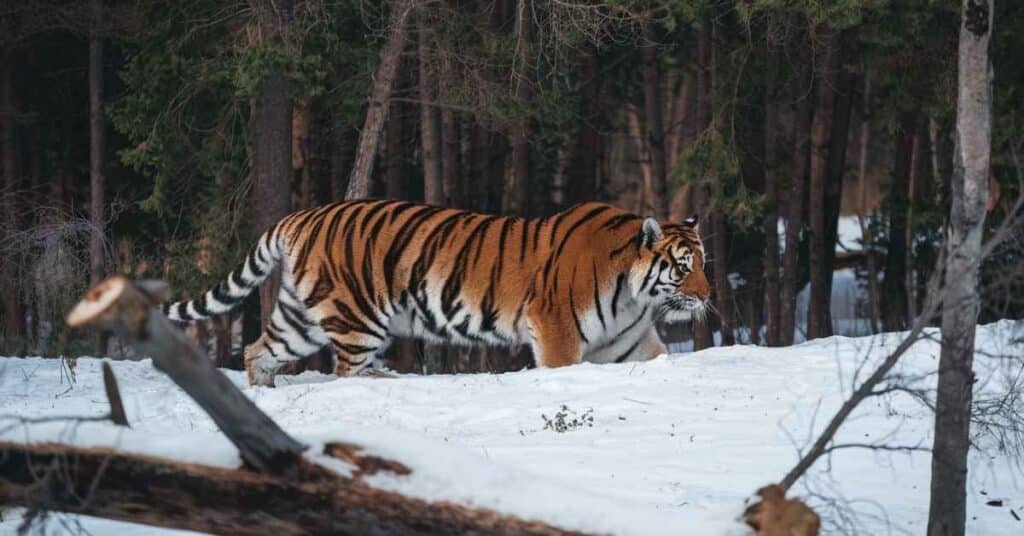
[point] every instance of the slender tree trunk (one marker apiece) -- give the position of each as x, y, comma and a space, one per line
396, 184
895, 289
654, 131
825, 62
584, 174
272, 116
514, 198
846, 85
14, 316
874, 298
343, 141
377, 108
451, 147
701, 330
947, 510
430, 124
97, 145
771, 201
795, 210
302, 118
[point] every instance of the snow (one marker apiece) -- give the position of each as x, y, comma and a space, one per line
675, 447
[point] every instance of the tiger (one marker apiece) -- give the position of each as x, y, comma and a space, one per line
585, 284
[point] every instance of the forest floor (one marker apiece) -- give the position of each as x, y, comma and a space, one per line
670, 446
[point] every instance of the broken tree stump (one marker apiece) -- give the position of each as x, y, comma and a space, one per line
131, 311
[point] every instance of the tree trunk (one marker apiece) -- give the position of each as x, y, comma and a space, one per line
771, 201
515, 188
947, 509
273, 141
584, 174
430, 125
222, 356
846, 83
97, 143
795, 210
343, 140
14, 316
874, 298
377, 108
895, 288
396, 183
701, 330
826, 55
654, 125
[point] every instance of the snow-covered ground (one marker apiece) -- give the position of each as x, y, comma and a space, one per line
675, 444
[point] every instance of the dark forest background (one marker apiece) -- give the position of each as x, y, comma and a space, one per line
157, 139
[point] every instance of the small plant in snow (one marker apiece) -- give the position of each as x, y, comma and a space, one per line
566, 420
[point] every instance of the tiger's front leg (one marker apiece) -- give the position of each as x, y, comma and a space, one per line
555, 340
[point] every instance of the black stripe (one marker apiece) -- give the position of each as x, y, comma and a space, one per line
586, 217
615, 297
643, 313
525, 239
254, 268
597, 295
647, 276
618, 251
354, 349
619, 221
200, 306
183, 311
572, 307
625, 354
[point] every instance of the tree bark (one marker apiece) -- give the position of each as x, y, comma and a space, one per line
701, 330
584, 175
377, 108
825, 61
14, 315
845, 83
430, 124
514, 199
795, 210
771, 200
396, 182
874, 298
343, 142
193, 497
654, 128
272, 142
947, 509
894, 287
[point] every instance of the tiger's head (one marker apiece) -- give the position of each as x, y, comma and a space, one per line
670, 269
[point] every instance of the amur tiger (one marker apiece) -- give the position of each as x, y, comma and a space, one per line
583, 284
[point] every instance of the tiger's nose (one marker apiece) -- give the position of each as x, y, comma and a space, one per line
697, 286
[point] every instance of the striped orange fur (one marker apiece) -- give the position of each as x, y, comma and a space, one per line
583, 284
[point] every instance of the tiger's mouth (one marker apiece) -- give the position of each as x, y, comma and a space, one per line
678, 308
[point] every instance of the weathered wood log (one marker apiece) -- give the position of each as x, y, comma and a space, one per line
311, 500
287, 494
130, 311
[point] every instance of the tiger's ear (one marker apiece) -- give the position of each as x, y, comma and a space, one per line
692, 222
650, 233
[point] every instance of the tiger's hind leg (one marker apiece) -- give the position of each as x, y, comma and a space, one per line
355, 352
289, 336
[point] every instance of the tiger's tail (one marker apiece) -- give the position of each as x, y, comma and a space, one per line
264, 256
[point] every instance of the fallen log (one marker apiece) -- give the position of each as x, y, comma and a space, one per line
277, 490
310, 500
